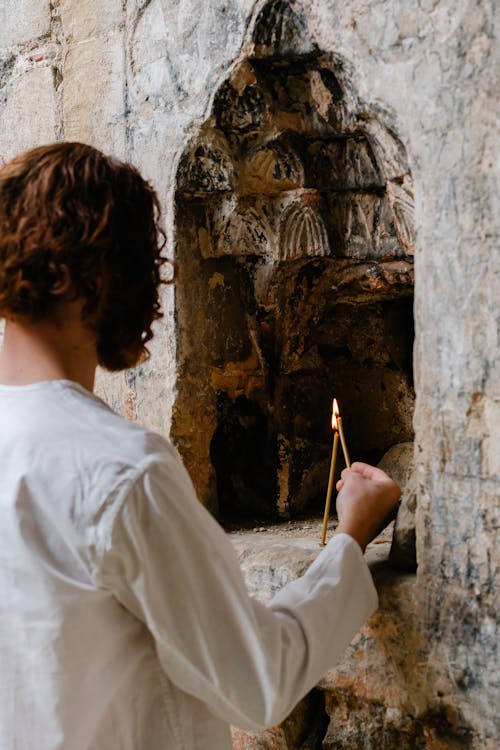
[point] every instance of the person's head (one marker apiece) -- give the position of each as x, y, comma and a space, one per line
67, 211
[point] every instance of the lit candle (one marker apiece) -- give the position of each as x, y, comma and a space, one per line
341, 432
332, 474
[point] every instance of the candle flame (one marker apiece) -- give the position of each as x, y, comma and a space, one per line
335, 413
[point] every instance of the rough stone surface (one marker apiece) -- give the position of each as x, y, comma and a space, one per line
381, 694
30, 64
23, 21
270, 557
143, 80
269, 561
398, 463
304, 729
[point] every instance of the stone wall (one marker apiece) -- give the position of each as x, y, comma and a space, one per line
139, 79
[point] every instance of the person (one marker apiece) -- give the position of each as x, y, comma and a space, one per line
124, 619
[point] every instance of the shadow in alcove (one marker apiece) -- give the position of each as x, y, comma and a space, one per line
243, 453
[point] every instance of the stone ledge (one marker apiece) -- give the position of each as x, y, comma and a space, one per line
378, 685
272, 556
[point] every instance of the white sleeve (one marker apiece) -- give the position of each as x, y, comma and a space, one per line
171, 564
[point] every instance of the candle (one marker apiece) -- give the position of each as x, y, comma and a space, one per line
332, 475
340, 428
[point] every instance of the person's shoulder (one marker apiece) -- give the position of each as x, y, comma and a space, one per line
109, 438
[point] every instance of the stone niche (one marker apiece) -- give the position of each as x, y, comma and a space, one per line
294, 242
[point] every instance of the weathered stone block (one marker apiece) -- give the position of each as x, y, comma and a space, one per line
94, 92
22, 21
26, 120
82, 21
271, 560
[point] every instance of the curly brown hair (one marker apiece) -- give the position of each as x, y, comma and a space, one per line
68, 204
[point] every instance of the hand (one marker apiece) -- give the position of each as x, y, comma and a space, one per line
367, 501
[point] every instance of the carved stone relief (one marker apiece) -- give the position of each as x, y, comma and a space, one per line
241, 113
302, 233
401, 201
207, 167
281, 30
296, 197
244, 233
271, 168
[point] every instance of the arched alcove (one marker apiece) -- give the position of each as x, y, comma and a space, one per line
294, 223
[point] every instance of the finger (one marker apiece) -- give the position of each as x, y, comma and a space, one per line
339, 485
368, 471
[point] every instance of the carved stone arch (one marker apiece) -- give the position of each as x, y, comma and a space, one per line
403, 205
239, 106
206, 166
303, 233
362, 169
271, 168
281, 30
246, 233
294, 219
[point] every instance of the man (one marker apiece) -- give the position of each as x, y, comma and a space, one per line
124, 620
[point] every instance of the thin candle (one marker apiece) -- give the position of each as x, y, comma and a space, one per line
341, 433
330, 478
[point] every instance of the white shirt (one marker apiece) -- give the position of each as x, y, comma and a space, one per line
124, 619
